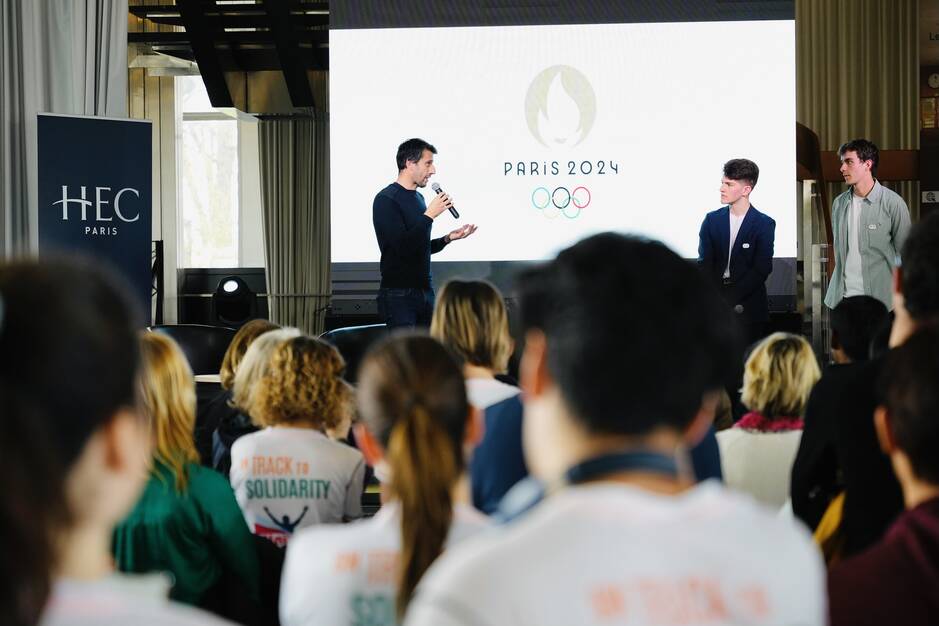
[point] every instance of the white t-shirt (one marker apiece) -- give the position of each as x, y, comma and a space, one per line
482, 393
118, 600
614, 554
346, 575
853, 264
735, 222
759, 463
287, 478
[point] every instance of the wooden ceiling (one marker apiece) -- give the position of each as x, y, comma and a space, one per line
224, 36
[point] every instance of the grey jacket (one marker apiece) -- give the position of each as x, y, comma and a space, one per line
883, 226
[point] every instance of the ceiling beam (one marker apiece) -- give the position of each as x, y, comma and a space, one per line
316, 38
293, 59
202, 40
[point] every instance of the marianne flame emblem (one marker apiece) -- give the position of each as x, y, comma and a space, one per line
560, 107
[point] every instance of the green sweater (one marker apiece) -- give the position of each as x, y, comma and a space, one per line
194, 536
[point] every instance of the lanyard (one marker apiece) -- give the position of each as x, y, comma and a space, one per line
529, 492
605, 464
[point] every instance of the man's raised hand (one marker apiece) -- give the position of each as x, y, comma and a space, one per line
438, 205
461, 233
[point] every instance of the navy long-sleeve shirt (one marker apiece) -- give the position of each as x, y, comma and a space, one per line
403, 233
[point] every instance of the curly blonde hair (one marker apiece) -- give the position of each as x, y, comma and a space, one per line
779, 375
302, 384
255, 364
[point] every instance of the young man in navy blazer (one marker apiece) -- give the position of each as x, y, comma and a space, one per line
735, 247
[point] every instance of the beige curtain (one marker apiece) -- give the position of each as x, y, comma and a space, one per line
66, 56
294, 162
857, 71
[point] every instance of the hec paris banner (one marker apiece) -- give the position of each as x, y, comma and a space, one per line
95, 193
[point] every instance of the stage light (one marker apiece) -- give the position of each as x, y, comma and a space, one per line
233, 302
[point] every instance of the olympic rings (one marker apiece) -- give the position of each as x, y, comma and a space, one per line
554, 199
574, 197
547, 202
554, 203
571, 217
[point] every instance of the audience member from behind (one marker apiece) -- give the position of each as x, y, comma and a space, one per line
187, 521
897, 580
471, 319
221, 407
290, 474
757, 453
342, 429
418, 424
73, 450
854, 322
814, 478
618, 381
253, 367
916, 282
873, 498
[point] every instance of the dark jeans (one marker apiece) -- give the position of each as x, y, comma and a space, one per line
406, 308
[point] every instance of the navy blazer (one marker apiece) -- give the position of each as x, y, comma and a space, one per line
751, 260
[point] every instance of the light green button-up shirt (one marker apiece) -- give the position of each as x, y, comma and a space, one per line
882, 228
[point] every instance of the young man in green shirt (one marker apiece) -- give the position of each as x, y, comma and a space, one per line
869, 223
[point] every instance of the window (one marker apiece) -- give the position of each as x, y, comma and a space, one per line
208, 174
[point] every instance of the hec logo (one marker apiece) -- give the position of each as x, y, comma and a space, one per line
560, 107
561, 201
102, 198
100, 204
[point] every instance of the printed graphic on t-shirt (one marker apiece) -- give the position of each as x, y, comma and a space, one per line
673, 601
380, 568
284, 529
284, 485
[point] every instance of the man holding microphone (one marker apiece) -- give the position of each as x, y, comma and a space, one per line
403, 221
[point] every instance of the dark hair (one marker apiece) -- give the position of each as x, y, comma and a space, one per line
880, 342
910, 392
742, 169
854, 323
70, 356
920, 269
636, 335
412, 150
865, 150
412, 397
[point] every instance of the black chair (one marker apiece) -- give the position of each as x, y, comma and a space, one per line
204, 346
353, 342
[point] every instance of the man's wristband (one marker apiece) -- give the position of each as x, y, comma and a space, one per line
446, 238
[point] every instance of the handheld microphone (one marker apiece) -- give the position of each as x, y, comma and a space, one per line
451, 208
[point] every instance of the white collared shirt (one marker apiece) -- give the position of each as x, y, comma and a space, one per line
482, 393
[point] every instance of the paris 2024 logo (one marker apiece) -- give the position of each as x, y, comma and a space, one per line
560, 111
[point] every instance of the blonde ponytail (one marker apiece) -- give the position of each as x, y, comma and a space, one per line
412, 397
424, 469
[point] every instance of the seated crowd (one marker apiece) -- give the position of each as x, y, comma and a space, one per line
589, 490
